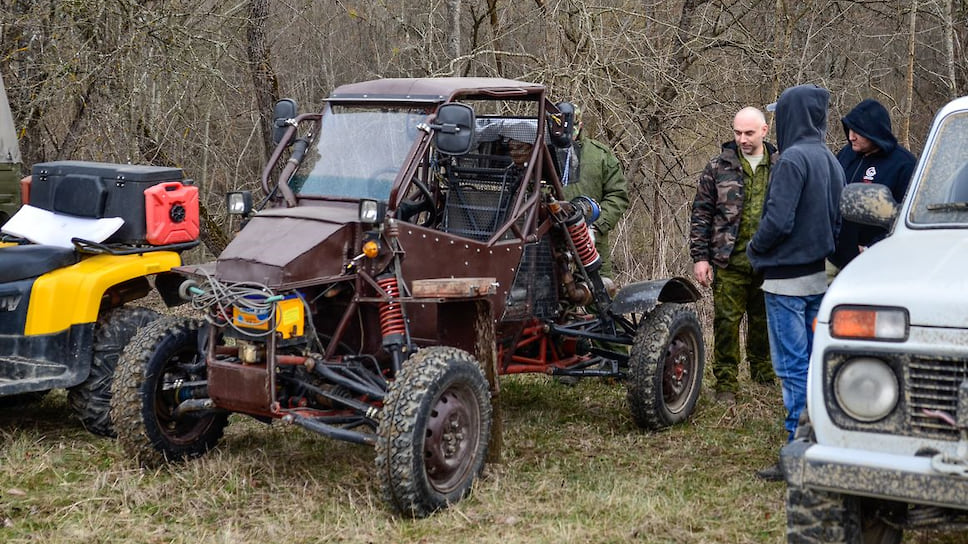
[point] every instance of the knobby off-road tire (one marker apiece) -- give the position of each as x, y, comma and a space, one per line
91, 400
160, 355
434, 430
665, 367
820, 517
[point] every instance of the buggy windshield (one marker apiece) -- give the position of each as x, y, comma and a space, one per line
358, 152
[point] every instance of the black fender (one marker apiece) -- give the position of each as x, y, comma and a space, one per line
644, 295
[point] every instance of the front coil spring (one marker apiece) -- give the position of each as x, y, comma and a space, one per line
583, 243
391, 313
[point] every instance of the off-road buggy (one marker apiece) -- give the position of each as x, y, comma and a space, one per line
403, 263
64, 299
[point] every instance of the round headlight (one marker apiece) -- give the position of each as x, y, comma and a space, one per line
866, 389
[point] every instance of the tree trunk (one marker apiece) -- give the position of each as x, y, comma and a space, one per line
264, 80
905, 136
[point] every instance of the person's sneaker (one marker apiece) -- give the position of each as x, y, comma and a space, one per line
772, 473
726, 397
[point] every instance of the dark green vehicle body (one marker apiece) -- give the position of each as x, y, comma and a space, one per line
9, 160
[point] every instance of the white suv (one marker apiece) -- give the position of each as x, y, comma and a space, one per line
884, 443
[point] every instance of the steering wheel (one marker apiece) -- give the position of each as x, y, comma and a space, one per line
409, 208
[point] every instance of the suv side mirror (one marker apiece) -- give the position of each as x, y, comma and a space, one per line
283, 111
454, 128
561, 126
868, 204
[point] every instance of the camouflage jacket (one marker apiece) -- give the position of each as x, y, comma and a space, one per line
718, 207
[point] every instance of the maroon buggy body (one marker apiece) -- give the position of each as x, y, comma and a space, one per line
399, 262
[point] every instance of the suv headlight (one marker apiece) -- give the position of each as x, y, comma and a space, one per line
866, 388
869, 323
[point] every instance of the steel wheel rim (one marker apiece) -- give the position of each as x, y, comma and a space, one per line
451, 439
678, 371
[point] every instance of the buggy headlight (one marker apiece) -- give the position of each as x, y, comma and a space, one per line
869, 323
866, 388
372, 211
238, 203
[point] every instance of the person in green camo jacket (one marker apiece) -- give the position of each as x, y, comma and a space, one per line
725, 214
599, 176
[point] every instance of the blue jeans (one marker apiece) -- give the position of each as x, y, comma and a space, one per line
790, 322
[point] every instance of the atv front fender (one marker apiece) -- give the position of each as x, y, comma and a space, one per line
644, 295
73, 295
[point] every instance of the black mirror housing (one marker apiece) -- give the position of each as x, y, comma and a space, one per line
283, 111
454, 129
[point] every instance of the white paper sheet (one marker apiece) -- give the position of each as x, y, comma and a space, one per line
48, 228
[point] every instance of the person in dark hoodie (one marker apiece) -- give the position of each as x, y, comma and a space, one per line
796, 234
872, 155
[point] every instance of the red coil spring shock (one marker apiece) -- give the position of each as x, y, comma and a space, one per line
583, 243
391, 313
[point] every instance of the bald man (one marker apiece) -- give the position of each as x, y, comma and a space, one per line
725, 214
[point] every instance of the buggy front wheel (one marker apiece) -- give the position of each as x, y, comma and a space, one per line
665, 367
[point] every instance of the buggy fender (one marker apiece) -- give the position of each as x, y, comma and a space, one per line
72, 295
644, 295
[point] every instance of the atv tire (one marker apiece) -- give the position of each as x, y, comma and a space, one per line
665, 367
144, 401
434, 430
820, 517
90, 401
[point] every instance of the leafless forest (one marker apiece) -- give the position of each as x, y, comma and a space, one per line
190, 84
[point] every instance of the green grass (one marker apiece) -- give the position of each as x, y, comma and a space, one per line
574, 469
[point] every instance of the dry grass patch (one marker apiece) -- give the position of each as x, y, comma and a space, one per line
575, 469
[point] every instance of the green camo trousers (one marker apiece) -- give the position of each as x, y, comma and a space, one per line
737, 292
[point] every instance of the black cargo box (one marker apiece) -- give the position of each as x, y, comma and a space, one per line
99, 189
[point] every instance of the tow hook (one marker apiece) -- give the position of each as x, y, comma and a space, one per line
956, 464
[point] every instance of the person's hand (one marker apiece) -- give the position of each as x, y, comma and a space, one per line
703, 272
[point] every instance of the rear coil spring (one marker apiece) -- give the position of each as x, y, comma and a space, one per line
583, 243
391, 313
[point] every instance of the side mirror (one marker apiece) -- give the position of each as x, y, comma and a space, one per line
561, 126
283, 111
454, 128
868, 204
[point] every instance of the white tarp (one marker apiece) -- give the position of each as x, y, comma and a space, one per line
55, 229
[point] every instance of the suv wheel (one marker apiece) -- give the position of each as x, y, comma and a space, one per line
434, 431
815, 517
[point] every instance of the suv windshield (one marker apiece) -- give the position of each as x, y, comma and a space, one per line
358, 152
942, 195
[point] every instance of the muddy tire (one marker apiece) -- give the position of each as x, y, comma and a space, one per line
820, 517
161, 354
433, 432
665, 367
90, 401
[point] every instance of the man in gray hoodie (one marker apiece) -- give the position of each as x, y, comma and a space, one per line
798, 230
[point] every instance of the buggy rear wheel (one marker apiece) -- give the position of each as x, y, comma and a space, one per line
162, 357
665, 367
434, 431
91, 399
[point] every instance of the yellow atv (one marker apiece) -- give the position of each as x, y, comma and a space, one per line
65, 315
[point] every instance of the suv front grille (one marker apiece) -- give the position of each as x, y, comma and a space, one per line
933, 385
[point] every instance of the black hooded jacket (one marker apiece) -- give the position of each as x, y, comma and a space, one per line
801, 215
890, 165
